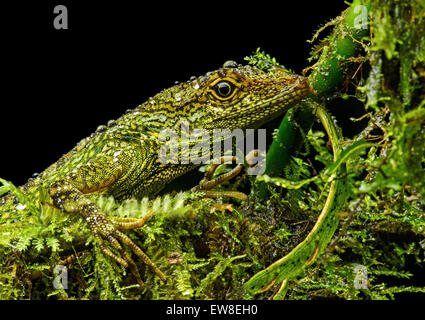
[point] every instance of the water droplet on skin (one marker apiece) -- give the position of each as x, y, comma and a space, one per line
21, 206
101, 128
230, 64
192, 78
196, 86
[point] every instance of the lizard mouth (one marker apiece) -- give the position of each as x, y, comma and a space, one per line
297, 90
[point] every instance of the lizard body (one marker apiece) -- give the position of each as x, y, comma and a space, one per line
121, 159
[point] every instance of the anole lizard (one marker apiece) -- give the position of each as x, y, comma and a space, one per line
121, 159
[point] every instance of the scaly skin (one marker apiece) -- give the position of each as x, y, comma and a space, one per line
121, 159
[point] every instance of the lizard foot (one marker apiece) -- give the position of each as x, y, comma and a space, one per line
206, 184
108, 233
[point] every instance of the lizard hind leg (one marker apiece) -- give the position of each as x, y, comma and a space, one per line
68, 197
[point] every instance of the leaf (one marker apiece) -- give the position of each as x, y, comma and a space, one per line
218, 271
53, 244
23, 243
39, 244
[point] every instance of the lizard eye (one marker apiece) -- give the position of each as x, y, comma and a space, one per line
224, 89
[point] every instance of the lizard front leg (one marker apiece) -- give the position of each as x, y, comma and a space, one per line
68, 194
206, 184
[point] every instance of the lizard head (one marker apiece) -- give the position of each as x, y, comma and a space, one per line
231, 97
245, 96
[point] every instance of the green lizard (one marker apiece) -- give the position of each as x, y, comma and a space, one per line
121, 159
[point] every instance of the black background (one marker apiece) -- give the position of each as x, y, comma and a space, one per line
60, 85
